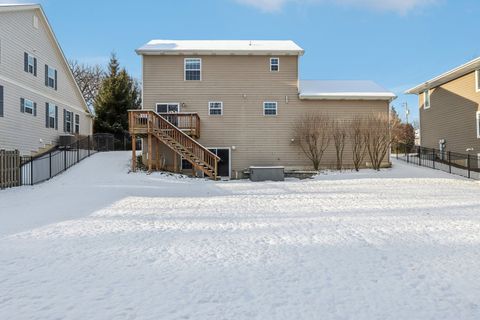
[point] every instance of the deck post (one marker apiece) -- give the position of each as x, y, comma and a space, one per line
149, 152
216, 169
157, 154
175, 161
134, 153
449, 163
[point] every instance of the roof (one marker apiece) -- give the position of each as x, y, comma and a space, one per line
343, 90
447, 76
29, 6
236, 47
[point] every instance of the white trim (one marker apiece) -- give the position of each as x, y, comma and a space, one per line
185, 68
45, 95
477, 87
276, 109
478, 124
33, 63
168, 104
221, 108
229, 159
426, 93
278, 64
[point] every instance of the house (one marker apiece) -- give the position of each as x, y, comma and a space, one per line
449, 109
237, 102
39, 98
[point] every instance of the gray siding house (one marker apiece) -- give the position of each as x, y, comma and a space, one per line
39, 98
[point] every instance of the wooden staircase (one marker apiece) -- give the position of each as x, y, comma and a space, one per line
173, 133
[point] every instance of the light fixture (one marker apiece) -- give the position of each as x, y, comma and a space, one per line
234, 148
292, 140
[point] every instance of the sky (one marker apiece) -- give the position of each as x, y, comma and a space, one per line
396, 43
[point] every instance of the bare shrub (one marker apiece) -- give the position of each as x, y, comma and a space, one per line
356, 134
339, 133
313, 133
377, 138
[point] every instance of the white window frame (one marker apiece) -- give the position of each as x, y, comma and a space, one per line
276, 108
478, 124
76, 124
167, 104
185, 68
210, 103
278, 64
51, 115
69, 122
28, 105
426, 98
51, 77
477, 78
30, 63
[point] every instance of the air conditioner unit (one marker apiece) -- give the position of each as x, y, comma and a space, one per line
66, 140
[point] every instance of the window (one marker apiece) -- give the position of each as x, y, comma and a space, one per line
215, 108
193, 69
51, 116
477, 80
168, 107
426, 99
67, 121
30, 64
28, 106
478, 124
50, 77
77, 123
274, 64
270, 108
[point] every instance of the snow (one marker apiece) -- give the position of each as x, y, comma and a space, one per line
227, 46
333, 89
98, 243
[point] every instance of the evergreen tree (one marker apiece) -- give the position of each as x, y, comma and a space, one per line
118, 93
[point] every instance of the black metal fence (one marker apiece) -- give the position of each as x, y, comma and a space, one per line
466, 165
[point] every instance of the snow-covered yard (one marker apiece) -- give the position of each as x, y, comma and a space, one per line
98, 243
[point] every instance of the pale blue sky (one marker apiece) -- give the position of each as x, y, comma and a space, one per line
397, 43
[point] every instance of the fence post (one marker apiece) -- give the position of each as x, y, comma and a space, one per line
50, 165
420, 156
65, 159
433, 158
31, 171
78, 151
449, 162
88, 145
468, 165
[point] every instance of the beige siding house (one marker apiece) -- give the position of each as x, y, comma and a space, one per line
247, 96
449, 110
39, 98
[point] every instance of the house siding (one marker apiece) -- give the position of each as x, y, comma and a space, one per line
243, 83
451, 116
24, 131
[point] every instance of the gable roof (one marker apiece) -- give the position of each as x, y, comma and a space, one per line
5, 7
234, 47
448, 76
343, 90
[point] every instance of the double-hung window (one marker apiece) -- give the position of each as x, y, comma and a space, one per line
274, 64
193, 69
478, 124
215, 108
77, 123
50, 77
270, 108
426, 99
30, 64
28, 106
68, 121
51, 121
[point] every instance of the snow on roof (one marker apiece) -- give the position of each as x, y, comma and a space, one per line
284, 47
343, 90
448, 76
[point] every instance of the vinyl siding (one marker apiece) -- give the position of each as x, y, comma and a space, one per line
243, 83
451, 116
23, 131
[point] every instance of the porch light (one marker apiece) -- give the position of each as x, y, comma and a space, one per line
234, 148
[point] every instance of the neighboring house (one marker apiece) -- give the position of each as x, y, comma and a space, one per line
449, 110
39, 98
247, 96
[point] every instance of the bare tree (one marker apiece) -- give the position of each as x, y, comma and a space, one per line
339, 132
313, 132
89, 79
356, 134
377, 138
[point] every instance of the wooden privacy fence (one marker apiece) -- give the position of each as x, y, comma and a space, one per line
9, 169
